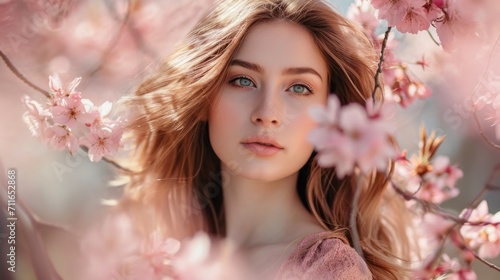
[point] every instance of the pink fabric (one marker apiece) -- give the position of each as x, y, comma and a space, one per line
326, 259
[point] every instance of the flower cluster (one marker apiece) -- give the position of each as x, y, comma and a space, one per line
114, 250
428, 178
482, 230
401, 86
353, 136
477, 230
411, 16
66, 115
431, 180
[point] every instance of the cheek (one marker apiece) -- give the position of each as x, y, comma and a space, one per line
302, 124
222, 119
298, 132
224, 113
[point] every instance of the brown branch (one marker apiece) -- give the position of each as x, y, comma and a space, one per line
487, 187
428, 206
110, 161
459, 221
18, 74
463, 247
381, 60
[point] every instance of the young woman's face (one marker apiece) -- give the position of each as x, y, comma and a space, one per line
259, 125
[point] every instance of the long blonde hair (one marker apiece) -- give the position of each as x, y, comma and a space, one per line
175, 186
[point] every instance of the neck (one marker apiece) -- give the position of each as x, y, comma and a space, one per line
262, 213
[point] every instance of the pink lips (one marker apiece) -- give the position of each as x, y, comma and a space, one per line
262, 145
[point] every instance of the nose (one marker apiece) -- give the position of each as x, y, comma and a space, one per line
269, 109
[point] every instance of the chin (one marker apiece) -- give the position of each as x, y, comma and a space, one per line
266, 173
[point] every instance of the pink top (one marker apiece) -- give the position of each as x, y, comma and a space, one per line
325, 259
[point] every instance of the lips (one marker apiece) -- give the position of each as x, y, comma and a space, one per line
262, 145
263, 140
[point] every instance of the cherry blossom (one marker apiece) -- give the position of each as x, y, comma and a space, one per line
405, 90
422, 62
59, 123
433, 181
453, 269
102, 142
363, 13
71, 111
434, 227
457, 24
434, 10
443, 174
36, 118
485, 236
490, 249
114, 250
200, 259
439, 3
448, 268
108, 247
61, 138
439, 183
392, 10
415, 18
349, 137
58, 91
156, 250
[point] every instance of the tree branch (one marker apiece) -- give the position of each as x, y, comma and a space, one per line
380, 62
18, 74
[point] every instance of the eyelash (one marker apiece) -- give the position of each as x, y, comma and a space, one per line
308, 87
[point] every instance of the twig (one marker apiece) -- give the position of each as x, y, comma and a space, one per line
488, 186
352, 218
428, 206
381, 60
113, 41
18, 74
433, 39
459, 221
47, 94
481, 132
110, 161
465, 248
134, 32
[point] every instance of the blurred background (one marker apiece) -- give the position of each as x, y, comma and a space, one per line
113, 44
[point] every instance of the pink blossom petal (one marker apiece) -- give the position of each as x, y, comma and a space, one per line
35, 117
415, 19
392, 10
102, 142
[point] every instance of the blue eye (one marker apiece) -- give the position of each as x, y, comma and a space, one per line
242, 82
301, 89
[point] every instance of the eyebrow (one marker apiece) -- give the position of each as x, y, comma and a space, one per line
286, 71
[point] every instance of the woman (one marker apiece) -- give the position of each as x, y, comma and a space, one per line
221, 144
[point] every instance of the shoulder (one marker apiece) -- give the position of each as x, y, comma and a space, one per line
317, 257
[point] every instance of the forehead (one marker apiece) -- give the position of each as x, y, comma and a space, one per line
280, 44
